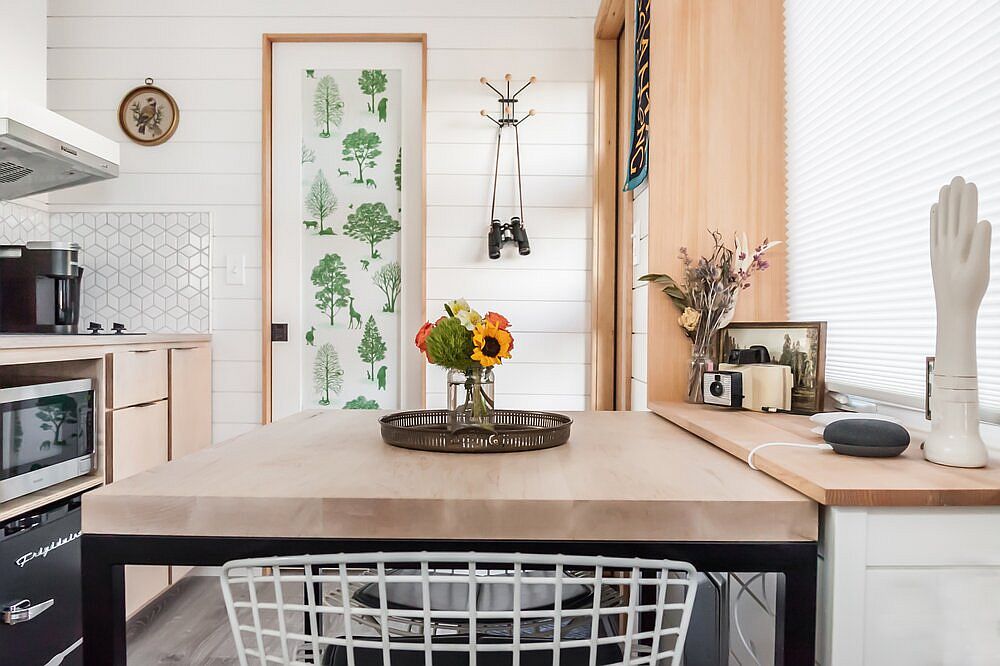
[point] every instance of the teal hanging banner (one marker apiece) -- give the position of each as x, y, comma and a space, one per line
638, 155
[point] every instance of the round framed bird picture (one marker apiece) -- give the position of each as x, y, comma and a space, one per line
148, 114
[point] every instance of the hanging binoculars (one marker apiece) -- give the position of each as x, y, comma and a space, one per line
501, 234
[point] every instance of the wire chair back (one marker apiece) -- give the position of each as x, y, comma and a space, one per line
476, 609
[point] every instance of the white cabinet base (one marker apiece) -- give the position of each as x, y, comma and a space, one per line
914, 586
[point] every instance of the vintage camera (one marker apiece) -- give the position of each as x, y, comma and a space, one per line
504, 233
752, 354
723, 387
763, 387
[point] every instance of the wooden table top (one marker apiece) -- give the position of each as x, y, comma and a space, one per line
622, 476
827, 477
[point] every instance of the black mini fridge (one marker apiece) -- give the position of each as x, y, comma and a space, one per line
40, 605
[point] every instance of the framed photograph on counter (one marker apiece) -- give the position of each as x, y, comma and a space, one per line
801, 345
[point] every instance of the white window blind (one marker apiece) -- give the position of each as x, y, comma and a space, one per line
886, 102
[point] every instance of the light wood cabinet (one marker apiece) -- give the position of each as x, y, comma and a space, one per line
190, 400
136, 377
190, 390
137, 439
153, 404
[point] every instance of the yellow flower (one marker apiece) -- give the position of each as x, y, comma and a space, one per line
469, 318
689, 319
492, 344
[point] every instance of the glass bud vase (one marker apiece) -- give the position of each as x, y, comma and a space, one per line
700, 364
470, 398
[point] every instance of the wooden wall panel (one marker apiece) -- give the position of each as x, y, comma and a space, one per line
717, 154
602, 370
623, 305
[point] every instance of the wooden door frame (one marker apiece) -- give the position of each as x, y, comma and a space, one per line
611, 344
267, 43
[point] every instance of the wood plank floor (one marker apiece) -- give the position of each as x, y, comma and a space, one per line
188, 625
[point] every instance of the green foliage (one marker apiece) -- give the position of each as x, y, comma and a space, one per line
371, 223
398, 170
308, 154
670, 288
328, 107
389, 279
372, 347
327, 374
361, 403
330, 275
362, 146
372, 82
321, 202
450, 345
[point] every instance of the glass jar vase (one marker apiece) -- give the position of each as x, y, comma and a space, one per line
470, 398
700, 364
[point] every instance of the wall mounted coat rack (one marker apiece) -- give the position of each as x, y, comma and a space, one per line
513, 231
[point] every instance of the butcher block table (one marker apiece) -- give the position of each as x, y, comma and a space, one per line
627, 484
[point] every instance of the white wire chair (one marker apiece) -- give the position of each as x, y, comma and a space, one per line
480, 609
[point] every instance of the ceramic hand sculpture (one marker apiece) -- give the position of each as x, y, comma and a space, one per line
960, 264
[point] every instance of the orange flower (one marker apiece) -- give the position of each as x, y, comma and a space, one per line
421, 339
498, 319
501, 323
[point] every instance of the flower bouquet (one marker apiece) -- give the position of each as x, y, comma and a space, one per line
706, 296
468, 345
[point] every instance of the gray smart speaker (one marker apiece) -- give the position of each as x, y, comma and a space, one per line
867, 438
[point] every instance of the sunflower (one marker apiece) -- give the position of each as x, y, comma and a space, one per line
491, 343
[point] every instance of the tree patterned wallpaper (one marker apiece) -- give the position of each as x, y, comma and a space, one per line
351, 161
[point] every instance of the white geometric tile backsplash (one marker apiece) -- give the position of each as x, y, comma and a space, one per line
149, 271
20, 224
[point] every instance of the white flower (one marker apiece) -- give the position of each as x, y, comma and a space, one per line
457, 305
469, 318
743, 256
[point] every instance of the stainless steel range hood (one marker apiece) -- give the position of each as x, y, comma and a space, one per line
41, 151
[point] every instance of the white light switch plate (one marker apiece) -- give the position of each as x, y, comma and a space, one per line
236, 269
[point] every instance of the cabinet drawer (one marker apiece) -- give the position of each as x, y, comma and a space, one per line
136, 377
137, 439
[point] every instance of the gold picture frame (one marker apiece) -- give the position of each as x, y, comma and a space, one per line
148, 114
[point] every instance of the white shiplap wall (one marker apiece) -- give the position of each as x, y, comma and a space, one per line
640, 296
207, 54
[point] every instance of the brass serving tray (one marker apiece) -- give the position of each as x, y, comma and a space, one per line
514, 430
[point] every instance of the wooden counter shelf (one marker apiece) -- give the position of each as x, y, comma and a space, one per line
827, 477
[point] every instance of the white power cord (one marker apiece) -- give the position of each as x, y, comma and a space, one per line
754, 450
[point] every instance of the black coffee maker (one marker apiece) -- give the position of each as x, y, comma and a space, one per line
40, 287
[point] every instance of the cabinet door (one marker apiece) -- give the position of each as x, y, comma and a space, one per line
190, 400
137, 441
190, 409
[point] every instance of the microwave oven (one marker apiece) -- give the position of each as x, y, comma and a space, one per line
46, 435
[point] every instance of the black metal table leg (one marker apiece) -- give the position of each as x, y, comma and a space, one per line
795, 639
103, 604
